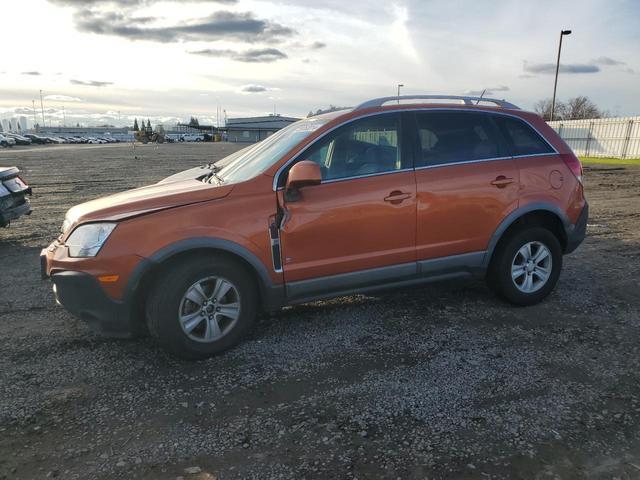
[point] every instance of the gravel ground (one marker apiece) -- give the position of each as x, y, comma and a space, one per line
443, 381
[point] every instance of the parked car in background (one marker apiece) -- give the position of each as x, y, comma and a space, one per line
381, 195
6, 141
95, 141
20, 140
13, 195
191, 137
37, 138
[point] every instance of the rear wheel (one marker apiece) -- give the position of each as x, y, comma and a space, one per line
526, 266
202, 307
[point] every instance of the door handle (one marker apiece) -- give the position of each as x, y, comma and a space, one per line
501, 181
397, 196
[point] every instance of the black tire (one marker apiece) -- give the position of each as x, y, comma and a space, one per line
499, 275
165, 299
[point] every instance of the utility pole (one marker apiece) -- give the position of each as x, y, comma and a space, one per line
400, 85
555, 83
42, 108
64, 118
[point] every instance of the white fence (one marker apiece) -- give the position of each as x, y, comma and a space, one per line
601, 137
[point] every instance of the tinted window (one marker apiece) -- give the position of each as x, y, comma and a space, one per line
362, 147
521, 138
451, 137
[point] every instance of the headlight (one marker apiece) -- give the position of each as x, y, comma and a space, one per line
87, 240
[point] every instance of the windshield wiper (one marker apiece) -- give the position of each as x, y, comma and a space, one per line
213, 169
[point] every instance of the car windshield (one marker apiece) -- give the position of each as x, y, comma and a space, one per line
257, 158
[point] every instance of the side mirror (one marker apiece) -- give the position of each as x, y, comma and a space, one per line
303, 174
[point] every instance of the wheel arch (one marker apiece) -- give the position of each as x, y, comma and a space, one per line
535, 214
143, 277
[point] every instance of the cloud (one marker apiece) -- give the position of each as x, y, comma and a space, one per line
126, 3
62, 98
253, 88
34, 73
550, 68
90, 83
220, 25
317, 45
260, 55
606, 61
488, 90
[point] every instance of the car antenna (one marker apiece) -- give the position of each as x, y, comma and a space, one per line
482, 95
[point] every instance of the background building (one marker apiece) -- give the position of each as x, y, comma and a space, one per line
254, 129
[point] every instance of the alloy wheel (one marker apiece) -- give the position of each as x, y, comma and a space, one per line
209, 309
531, 267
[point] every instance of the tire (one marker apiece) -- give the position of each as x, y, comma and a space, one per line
527, 288
168, 301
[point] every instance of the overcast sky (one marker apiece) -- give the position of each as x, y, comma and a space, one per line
168, 60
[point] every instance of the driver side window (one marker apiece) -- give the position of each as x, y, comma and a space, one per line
363, 147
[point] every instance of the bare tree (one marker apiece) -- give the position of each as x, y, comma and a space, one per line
543, 108
582, 107
576, 108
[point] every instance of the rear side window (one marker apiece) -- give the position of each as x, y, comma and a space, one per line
520, 137
454, 137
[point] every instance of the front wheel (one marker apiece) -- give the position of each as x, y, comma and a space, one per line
202, 307
526, 267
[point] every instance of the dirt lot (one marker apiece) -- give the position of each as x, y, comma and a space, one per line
444, 381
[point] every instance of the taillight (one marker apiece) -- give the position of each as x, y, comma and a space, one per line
573, 163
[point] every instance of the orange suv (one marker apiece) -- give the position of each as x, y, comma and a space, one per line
387, 194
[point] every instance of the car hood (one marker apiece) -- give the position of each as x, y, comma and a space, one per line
190, 174
159, 196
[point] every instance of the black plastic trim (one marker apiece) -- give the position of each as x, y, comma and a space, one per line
83, 296
520, 212
577, 234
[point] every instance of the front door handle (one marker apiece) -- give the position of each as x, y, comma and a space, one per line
397, 196
501, 181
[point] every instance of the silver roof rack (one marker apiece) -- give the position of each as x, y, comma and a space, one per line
378, 102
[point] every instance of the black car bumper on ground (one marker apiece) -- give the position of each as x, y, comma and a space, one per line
82, 295
577, 234
6, 215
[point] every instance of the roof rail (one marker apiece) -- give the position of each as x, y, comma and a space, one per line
378, 102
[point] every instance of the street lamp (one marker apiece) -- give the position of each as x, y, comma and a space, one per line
399, 86
555, 84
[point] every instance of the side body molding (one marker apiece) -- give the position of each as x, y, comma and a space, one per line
515, 215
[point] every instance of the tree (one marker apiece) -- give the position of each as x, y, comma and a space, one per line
582, 107
543, 108
149, 129
576, 108
136, 128
193, 122
320, 111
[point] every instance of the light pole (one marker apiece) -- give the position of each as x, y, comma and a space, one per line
399, 86
33, 104
555, 84
42, 108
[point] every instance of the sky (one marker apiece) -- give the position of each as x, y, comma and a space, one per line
109, 61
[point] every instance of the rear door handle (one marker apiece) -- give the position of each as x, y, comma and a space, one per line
501, 181
397, 196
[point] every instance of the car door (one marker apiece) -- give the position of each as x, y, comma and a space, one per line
358, 225
467, 183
